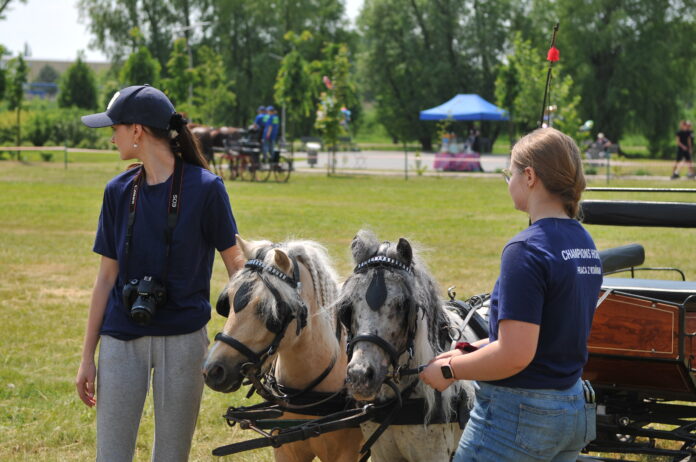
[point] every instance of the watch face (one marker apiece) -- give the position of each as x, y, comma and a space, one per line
447, 372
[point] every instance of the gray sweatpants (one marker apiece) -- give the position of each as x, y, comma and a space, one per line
123, 380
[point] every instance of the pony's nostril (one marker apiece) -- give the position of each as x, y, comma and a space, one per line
369, 373
215, 374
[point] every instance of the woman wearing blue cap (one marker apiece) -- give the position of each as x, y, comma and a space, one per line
159, 226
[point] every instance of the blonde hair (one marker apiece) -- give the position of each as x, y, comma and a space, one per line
556, 160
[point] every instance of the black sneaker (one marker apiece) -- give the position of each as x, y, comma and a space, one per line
691, 176
675, 176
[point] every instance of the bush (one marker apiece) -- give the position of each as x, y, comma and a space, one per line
8, 128
590, 170
63, 127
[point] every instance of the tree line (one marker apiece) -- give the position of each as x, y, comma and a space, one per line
626, 64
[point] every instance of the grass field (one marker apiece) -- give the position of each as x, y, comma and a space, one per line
48, 217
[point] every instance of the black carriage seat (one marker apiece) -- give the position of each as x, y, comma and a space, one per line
639, 213
621, 258
671, 291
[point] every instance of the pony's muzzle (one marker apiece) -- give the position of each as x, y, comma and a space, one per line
364, 381
221, 378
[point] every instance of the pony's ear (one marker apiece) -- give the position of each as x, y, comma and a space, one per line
403, 248
364, 245
243, 246
282, 261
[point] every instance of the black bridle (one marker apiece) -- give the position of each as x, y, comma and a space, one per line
375, 300
264, 383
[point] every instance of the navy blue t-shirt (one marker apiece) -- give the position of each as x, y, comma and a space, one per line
205, 223
550, 275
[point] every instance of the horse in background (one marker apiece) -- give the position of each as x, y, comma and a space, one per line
284, 297
211, 138
396, 319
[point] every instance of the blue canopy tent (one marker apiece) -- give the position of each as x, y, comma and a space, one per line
465, 107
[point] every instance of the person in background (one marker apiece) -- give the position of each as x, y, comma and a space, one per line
531, 403
160, 224
602, 141
259, 122
685, 149
270, 134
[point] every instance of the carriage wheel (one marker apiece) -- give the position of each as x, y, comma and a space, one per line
247, 169
281, 170
263, 171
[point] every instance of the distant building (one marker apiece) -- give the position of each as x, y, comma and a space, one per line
35, 89
35, 66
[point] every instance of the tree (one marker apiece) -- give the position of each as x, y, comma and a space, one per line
520, 89
213, 98
339, 92
78, 86
3, 74
633, 61
247, 35
47, 74
180, 76
15, 91
420, 53
110, 22
4, 4
140, 68
294, 86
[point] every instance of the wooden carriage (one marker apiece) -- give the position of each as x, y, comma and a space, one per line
642, 350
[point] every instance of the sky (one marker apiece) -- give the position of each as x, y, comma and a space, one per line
52, 30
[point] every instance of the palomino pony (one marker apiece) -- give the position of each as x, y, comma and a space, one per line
282, 319
396, 321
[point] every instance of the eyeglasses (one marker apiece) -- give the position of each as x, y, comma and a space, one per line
507, 175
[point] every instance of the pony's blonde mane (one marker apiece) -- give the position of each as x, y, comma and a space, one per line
316, 259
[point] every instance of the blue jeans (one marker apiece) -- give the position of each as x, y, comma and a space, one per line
521, 425
267, 149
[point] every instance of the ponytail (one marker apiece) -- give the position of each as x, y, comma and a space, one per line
184, 143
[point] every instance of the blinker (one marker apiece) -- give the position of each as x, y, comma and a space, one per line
377, 291
242, 297
223, 304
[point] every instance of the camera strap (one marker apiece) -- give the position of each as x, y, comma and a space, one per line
173, 206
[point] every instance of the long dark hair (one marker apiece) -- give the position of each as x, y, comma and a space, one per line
184, 143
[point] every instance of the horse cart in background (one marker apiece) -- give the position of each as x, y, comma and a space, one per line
235, 153
642, 347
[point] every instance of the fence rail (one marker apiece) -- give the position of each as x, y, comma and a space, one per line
64, 149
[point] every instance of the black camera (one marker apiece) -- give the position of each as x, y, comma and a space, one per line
142, 297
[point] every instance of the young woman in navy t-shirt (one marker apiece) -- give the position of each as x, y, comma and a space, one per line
530, 401
159, 227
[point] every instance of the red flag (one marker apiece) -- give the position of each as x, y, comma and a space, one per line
553, 55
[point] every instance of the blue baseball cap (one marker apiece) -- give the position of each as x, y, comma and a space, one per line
261, 108
270, 108
139, 104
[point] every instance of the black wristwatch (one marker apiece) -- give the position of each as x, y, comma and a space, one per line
447, 371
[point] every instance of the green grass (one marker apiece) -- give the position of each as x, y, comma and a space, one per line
48, 217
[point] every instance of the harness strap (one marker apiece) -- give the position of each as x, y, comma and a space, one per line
350, 418
237, 345
386, 346
400, 397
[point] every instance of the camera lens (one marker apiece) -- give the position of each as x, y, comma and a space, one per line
141, 316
